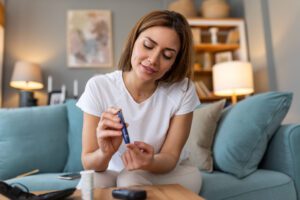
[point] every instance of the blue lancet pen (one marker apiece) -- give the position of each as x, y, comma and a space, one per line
124, 129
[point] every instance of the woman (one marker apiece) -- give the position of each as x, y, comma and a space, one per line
157, 102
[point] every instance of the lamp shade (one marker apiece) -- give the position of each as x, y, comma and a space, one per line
232, 78
26, 76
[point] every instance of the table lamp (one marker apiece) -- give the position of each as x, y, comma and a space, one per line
26, 77
233, 78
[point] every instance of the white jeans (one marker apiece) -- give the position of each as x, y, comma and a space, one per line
187, 176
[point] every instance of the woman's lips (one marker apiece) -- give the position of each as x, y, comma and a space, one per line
149, 70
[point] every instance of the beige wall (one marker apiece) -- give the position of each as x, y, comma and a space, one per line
257, 44
36, 31
273, 30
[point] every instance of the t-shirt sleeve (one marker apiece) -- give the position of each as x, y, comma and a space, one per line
189, 101
89, 101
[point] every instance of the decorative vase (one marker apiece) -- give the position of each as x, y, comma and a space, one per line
214, 9
184, 7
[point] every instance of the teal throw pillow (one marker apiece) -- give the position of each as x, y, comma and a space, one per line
33, 138
245, 129
75, 118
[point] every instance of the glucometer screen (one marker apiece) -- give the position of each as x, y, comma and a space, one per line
124, 129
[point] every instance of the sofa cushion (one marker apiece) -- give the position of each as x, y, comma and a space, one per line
245, 129
33, 138
262, 184
44, 182
75, 118
202, 133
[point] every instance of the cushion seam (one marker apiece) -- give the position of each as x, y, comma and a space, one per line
291, 181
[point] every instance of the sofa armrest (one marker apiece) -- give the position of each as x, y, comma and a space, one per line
283, 153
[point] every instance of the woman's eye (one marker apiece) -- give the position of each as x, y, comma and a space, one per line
147, 45
167, 57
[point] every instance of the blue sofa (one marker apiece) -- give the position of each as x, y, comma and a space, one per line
48, 138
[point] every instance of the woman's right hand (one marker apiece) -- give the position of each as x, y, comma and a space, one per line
109, 135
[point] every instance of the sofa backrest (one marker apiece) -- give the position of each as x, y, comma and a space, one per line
75, 119
33, 138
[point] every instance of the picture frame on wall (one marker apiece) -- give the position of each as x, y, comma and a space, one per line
55, 97
89, 38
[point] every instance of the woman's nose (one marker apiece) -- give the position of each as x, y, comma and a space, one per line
153, 58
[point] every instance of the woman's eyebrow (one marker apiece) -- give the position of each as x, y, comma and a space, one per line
151, 40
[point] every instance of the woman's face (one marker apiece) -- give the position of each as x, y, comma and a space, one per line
154, 53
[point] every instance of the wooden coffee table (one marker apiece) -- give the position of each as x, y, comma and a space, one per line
157, 192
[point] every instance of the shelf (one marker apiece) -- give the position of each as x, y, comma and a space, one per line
205, 47
203, 72
212, 98
226, 42
206, 22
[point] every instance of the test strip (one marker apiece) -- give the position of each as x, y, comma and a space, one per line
28, 173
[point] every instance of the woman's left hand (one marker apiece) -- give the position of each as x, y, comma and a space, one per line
138, 155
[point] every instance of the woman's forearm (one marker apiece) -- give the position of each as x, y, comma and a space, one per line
177, 135
95, 160
162, 163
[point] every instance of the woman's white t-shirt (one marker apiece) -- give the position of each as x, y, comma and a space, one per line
148, 121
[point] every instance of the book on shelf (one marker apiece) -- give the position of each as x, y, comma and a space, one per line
205, 89
207, 61
202, 90
224, 56
196, 32
233, 37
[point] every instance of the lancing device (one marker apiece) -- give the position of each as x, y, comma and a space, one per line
124, 129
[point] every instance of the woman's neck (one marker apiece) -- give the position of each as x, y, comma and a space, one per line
139, 90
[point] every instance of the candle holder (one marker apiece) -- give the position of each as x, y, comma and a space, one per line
75, 89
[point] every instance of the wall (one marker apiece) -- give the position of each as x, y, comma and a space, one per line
274, 46
285, 30
36, 31
257, 44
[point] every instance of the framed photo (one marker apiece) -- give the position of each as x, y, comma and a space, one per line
55, 97
223, 56
89, 38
